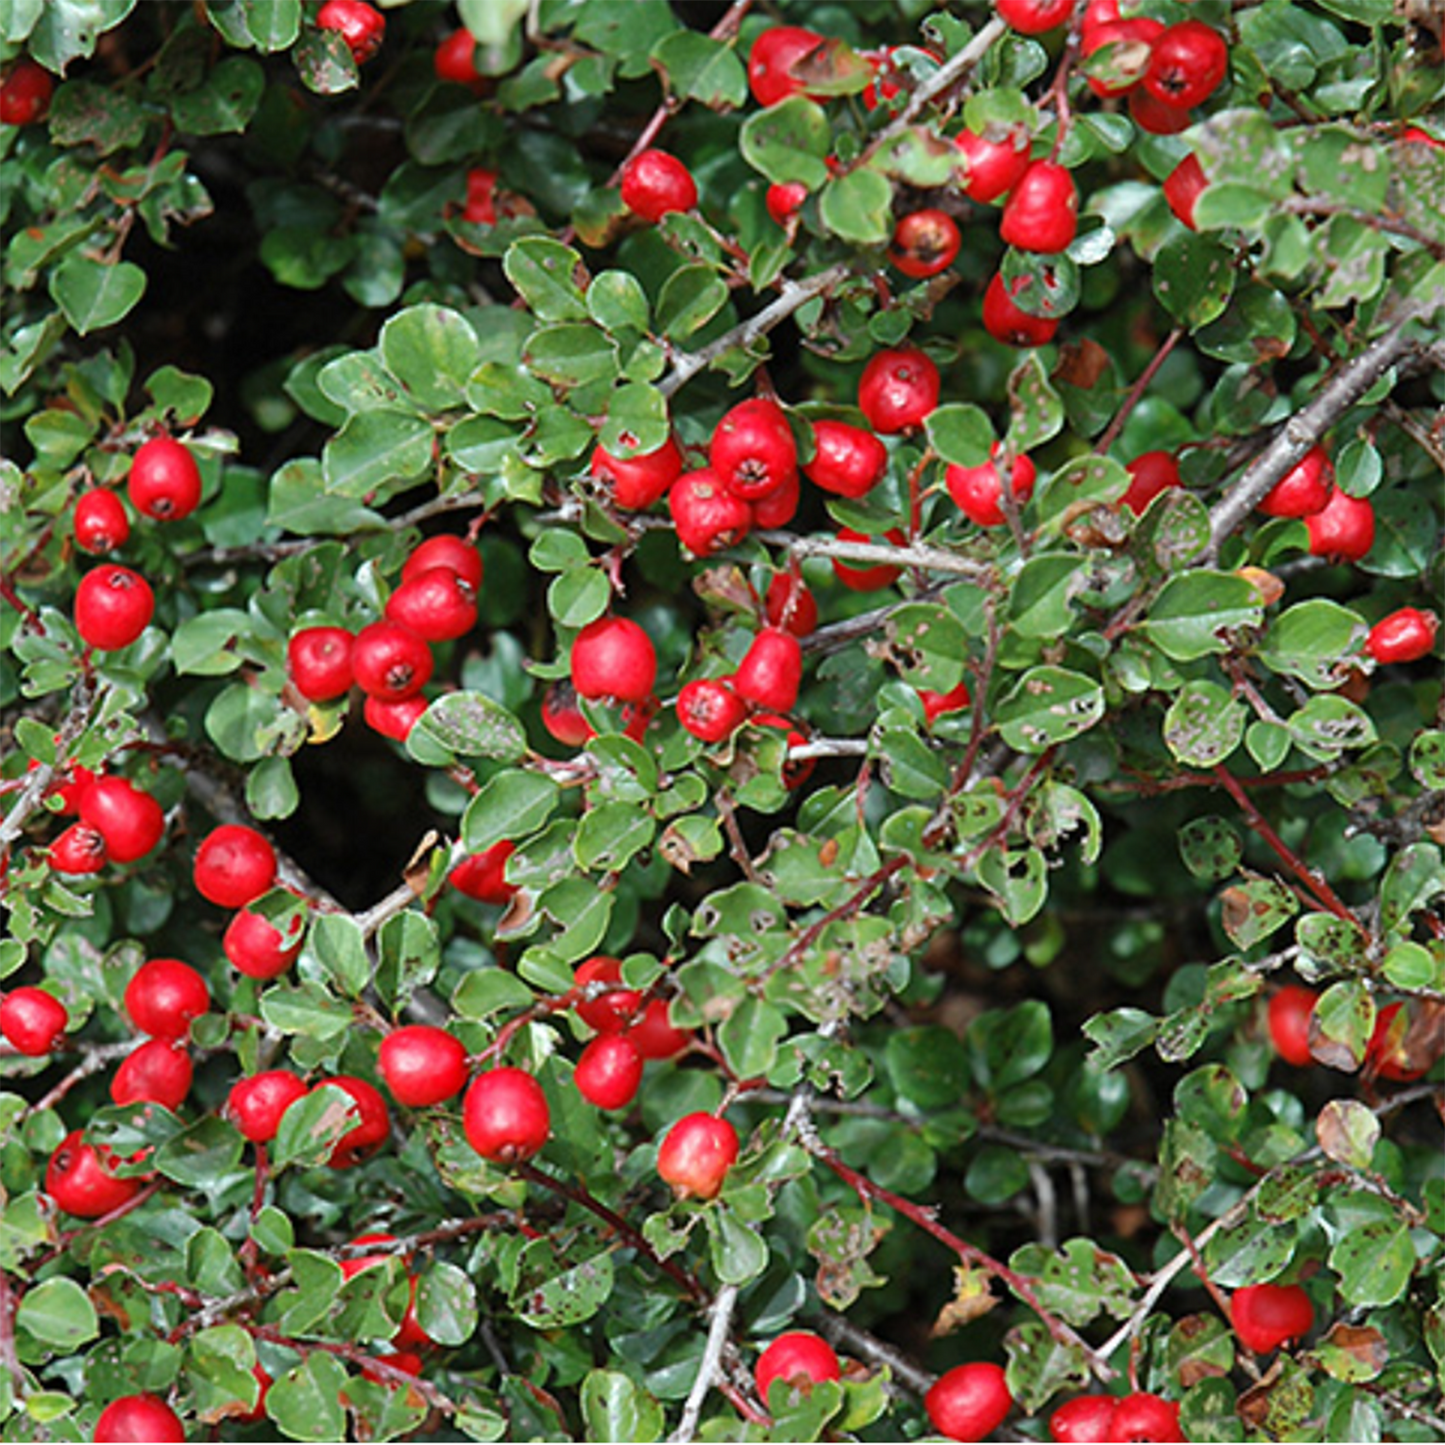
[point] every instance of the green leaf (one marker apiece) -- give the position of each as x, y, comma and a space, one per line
306, 1401
1255, 909
487, 991
581, 911
335, 939
705, 70
549, 1296
1085, 479
749, 1037
376, 454
614, 1407
637, 420
928, 645
610, 835
511, 805
690, 298
446, 1303
739, 1251
202, 1154
408, 955
1048, 705
788, 141
225, 103
1036, 412
545, 274
466, 725
1119, 1035
1039, 1366
1204, 724
305, 1008
67, 30
1415, 877
432, 351
1210, 847
572, 353
616, 300
95, 294
1193, 278
1348, 1132
926, 1066
1327, 725
1018, 880
1196, 613
1313, 640
858, 206
311, 1126
1374, 1262
1041, 600
960, 433
57, 1312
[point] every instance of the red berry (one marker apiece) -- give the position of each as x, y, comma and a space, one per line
1305, 489
1345, 530
1266, 1316
924, 243
255, 1105
696, 1154
1097, 13
70, 791
1290, 1011
390, 661
100, 522
772, 671
706, 516
1145, 1417
800, 1359
33, 1021
1132, 48
163, 997
25, 94
319, 660
936, 704
138, 1418
372, 1126
784, 200
969, 1402
234, 865
483, 875
113, 606
612, 1011
436, 604
156, 1071
1154, 116
709, 709
654, 1035
481, 204
847, 460
898, 389
978, 491
771, 62
1186, 64
790, 605
1406, 635
79, 1180
654, 184
639, 481
359, 25
613, 658
1042, 211
1007, 322
393, 719
422, 1065
1387, 1053
752, 450
1413, 135
1149, 474
609, 1071
505, 1116
130, 821
445, 550
868, 579
454, 59
165, 482
1087, 1420
1182, 188
1034, 17
258, 948
78, 850
562, 717
778, 508
992, 167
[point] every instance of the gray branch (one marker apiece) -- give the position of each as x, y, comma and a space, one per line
720, 1322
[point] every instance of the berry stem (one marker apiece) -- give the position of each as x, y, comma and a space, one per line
1136, 392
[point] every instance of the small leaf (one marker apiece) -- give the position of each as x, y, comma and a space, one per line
57, 1312
1348, 1132
95, 294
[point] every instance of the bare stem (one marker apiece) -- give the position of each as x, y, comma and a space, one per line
719, 1323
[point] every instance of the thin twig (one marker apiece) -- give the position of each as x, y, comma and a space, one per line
719, 1323
1136, 392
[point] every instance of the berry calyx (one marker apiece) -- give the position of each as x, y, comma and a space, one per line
483, 875
78, 850
655, 183
1289, 1016
868, 579
898, 389
609, 1011
847, 460
772, 671
436, 604
113, 606
655, 1036
234, 865
373, 1122
706, 516
1145, 1417
1033, 17
1344, 529
1008, 322
1303, 490
969, 1402
696, 1154
771, 60
1406, 635
163, 996
422, 1065
992, 165
255, 1105
1187, 62
79, 1179
100, 521
1087, 1420
1149, 474
789, 605
165, 482
319, 661
393, 720
1042, 211
33, 1021
359, 25
25, 93
138, 1418
130, 821
978, 491
1266, 1316
505, 1116
445, 550
924, 243
752, 449
390, 661
609, 1071
709, 709
613, 658
257, 948
639, 481
799, 1358
156, 1071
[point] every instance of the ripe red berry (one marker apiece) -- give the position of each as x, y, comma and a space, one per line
78, 850
359, 25
696, 1154
1130, 48
772, 671
138, 1418
639, 481
1186, 64
445, 550
1086, 1420
255, 1105
257, 948
422, 1065
100, 522
611, 1011
654, 1035
372, 1126
454, 59
1042, 211
1034, 17
790, 605
165, 482
771, 61
969, 1402
978, 491
1388, 1053
1008, 322
562, 717
868, 579
752, 449
778, 508
234, 865
163, 997
706, 516
436, 604
1154, 116
991, 164
936, 704
33, 1021
1097, 13
898, 389
847, 460
25, 93
79, 1179
393, 719
1344, 530
481, 203
799, 1358
1149, 474
1413, 135
784, 200
613, 658
113, 606
1406, 635
483, 875
609, 1071
156, 1071
390, 661
1266, 1316
505, 1116
655, 183
1146, 1417
319, 661
924, 243
1289, 1024
1305, 489
130, 821
709, 709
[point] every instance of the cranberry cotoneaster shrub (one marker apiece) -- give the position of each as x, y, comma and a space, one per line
721, 721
